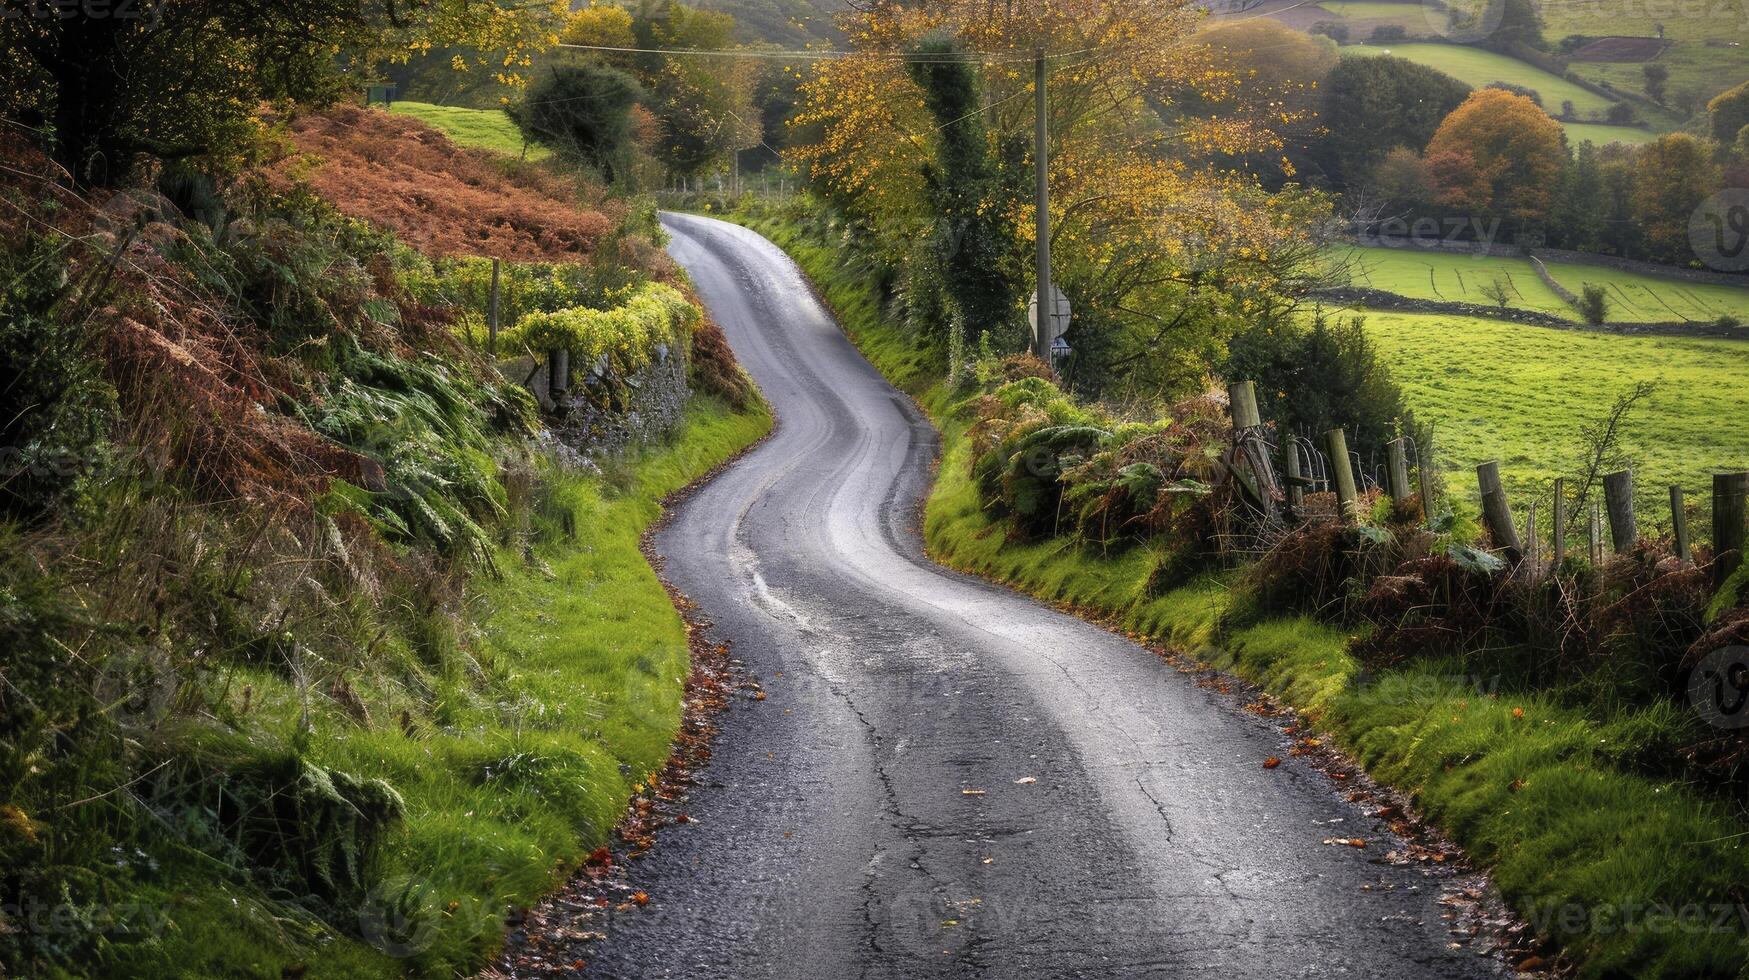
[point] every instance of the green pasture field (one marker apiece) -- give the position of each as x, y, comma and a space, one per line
1478, 67
1636, 298
1603, 135
1697, 73
483, 129
1520, 394
1409, 15
1453, 277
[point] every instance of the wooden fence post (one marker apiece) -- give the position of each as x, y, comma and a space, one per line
1342, 471
492, 315
1618, 497
1560, 529
1594, 545
558, 373
1290, 461
1423, 463
1398, 469
1242, 403
1730, 514
1497, 513
1679, 524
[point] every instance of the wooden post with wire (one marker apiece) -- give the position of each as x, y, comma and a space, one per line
492, 314
1730, 515
1679, 524
1618, 498
1397, 452
1559, 531
1497, 513
1423, 470
1594, 543
1342, 476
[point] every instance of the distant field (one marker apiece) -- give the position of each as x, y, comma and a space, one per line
1477, 68
1603, 135
1452, 277
1497, 390
1636, 298
1409, 15
485, 129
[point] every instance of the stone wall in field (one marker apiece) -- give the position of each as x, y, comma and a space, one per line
1705, 277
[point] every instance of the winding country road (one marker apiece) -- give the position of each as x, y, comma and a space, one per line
834, 837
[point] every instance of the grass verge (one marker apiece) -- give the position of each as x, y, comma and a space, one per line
1633, 876
504, 796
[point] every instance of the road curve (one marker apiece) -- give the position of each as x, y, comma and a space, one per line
835, 836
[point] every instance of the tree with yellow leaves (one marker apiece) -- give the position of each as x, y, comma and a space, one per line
1159, 245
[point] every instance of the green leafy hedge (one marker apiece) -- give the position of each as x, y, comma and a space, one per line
627, 334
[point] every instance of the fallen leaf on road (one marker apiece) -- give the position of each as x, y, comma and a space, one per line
1271, 762
641, 898
971, 792
1345, 841
1530, 963
1026, 781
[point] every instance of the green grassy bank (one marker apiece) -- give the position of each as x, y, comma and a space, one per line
1634, 875
584, 658
482, 129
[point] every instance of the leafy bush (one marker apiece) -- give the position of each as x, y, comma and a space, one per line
1594, 303
1314, 378
627, 334
584, 113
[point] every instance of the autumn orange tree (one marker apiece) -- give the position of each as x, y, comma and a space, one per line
1162, 243
1498, 154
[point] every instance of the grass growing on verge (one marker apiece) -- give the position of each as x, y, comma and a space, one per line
1589, 851
505, 796
484, 129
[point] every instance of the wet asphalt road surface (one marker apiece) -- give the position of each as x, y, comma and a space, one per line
834, 838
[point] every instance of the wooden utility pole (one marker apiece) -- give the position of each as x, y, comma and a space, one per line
1042, 203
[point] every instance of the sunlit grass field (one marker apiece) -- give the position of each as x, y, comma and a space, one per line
1520, 394
1636, 298
1459, 277
1478, 67
482, 129
1603, 135
1453, 277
